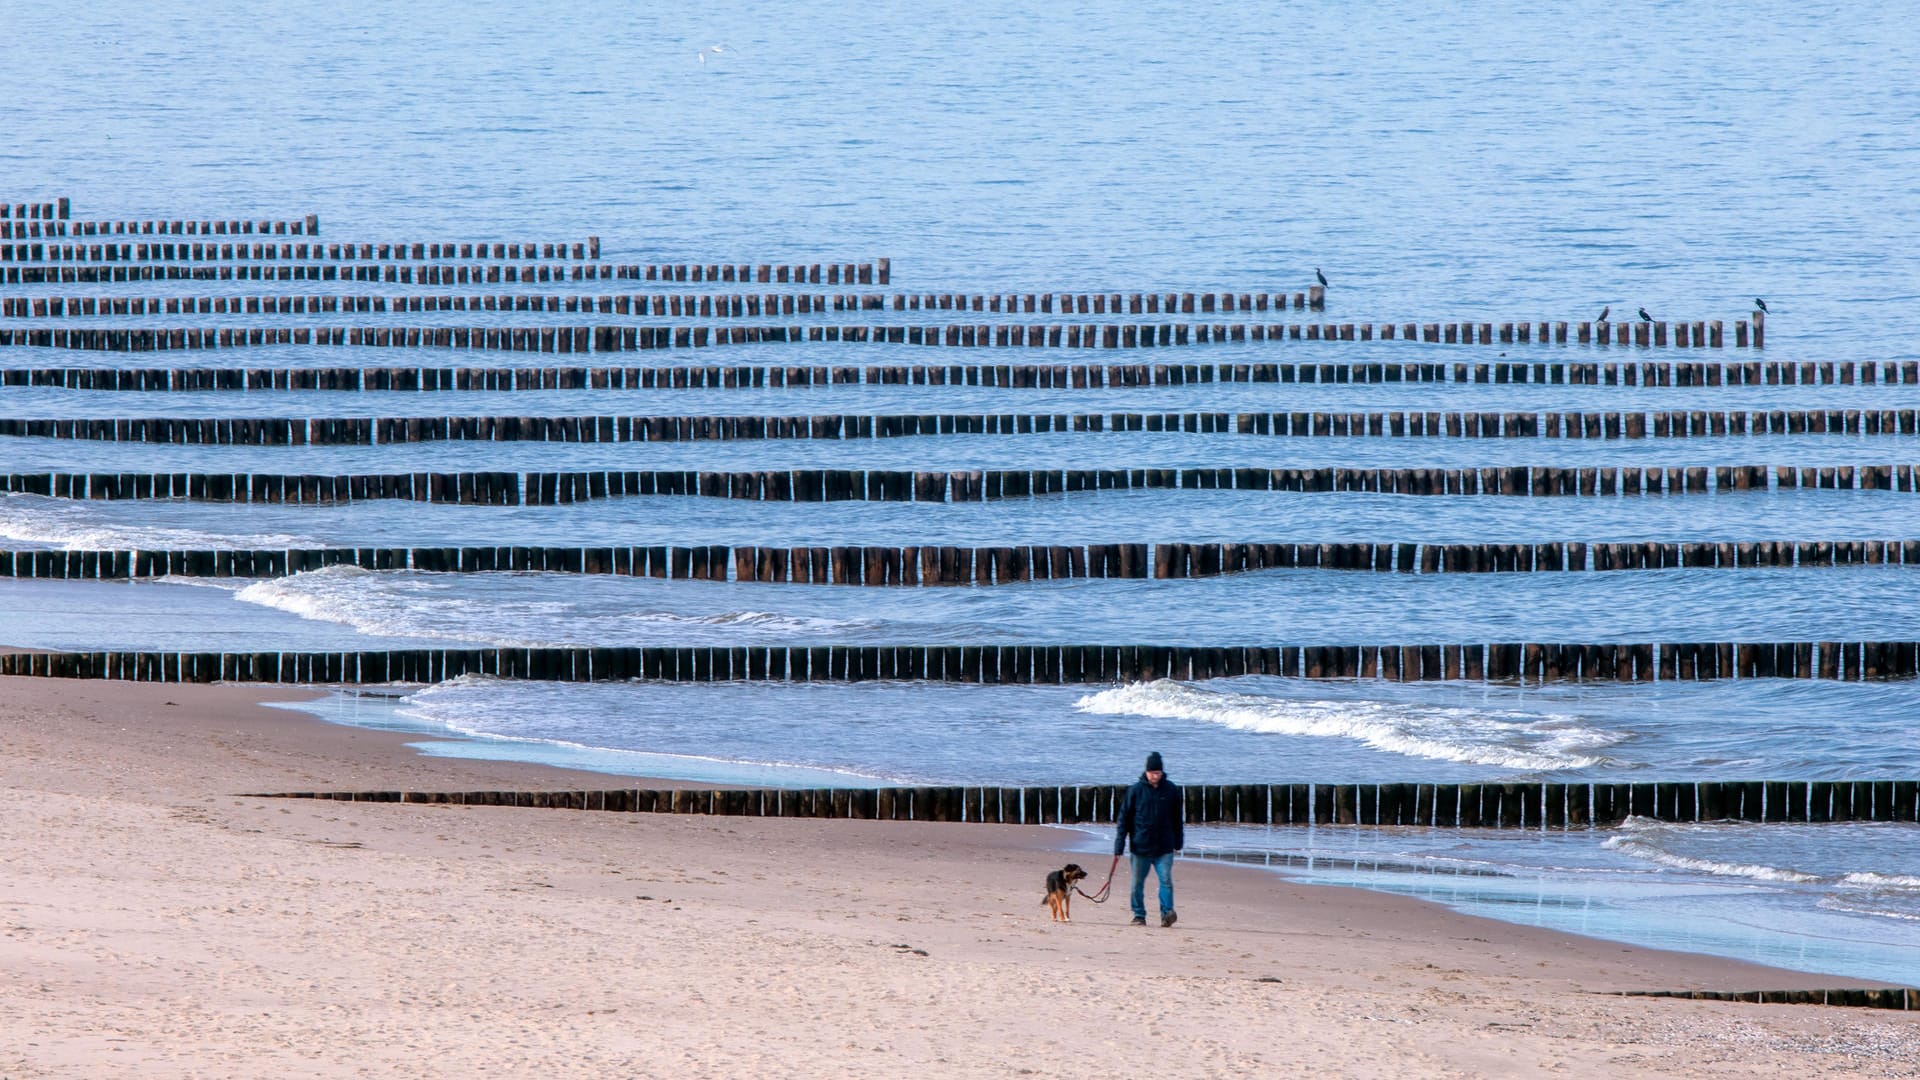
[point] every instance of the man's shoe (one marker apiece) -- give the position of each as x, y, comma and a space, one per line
1139, 920
1168, 918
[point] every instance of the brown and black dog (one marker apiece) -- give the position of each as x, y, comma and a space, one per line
1060, 885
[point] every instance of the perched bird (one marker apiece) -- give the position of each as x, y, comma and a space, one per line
1604, 312
1762, 305
1321, 276
1644, 317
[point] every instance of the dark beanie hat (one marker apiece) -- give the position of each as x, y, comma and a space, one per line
1153, 762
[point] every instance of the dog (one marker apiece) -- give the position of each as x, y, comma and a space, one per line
1060, 885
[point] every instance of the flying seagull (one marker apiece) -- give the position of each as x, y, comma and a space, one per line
1604, 312
1644, 317
1762, 305
701, 56
1321, 276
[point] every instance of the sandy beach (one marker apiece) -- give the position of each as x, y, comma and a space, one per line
152, 924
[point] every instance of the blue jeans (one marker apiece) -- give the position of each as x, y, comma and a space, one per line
1162, 868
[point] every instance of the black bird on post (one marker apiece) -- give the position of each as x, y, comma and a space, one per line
1644, 317
1322, 277
1604, 312
1762, 305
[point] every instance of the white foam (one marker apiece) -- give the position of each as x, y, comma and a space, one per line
1832, 903
758, 619
383, 604
462, 706
1866, 879
1653, 853
232, 585
76, 526
452, 607
1511, 741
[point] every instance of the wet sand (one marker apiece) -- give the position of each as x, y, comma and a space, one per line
154, 924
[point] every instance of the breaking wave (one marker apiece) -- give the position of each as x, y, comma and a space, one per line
73, 526
1659, 843
454, 607
1870, 880
1507, 740
1654, 853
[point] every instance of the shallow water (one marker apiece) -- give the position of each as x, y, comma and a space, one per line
1790, 896
1492, 164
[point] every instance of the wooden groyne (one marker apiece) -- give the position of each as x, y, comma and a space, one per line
710, 305
230, 249
1887, 997
385, 430
674, 305
1522, 663
58, 210
934, 564
468, 488
610, 339
220, 243
53, 220
133, 263
1520, 805
1005, 376
103, 263
876, 485
388, 273
20, 225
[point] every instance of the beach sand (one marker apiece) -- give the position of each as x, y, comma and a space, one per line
153, 924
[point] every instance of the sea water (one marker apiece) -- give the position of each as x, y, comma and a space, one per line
1491, 164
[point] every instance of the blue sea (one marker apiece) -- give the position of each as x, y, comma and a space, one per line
1495, 163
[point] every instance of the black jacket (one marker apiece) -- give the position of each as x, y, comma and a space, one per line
1154, 818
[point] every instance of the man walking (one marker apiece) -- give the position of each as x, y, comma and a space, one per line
1152, 816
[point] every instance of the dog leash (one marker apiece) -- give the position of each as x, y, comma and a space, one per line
1100, 897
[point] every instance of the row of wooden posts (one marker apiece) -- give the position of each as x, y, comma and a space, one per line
388, 273
1878, 997
384, 430
1153, 335
35, 227
933, 564
40, 217
243, 251
623, 304
1518, 805
877, 485
607, 339
1016, 376
722, 305
58, 210
54, 229
23, 226
1527, 663
670, 304
35, 272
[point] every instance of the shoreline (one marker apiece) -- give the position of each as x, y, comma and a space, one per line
204, 930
